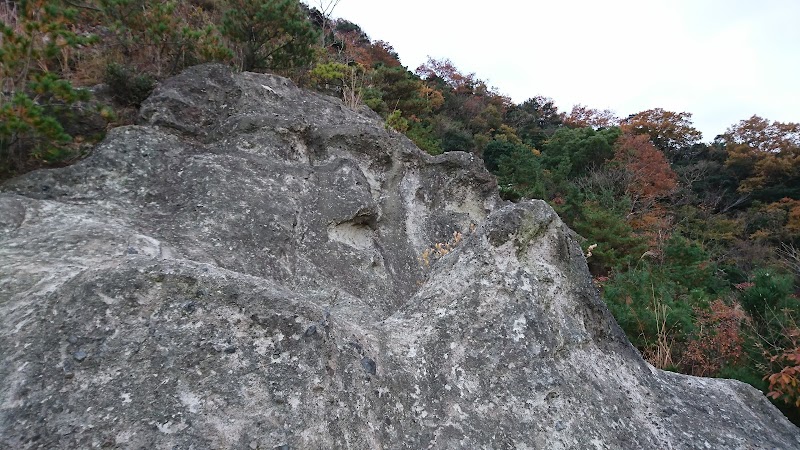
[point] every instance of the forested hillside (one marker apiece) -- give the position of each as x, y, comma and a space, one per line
694, 242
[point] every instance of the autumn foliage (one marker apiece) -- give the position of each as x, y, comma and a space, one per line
718, 342
670, 131
445, 70
583, 116
763, 152
649, 174
785, 384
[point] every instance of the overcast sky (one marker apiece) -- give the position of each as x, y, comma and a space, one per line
721, 60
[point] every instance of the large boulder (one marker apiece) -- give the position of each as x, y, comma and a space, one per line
257, 266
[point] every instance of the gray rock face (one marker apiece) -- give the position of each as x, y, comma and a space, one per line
246, 271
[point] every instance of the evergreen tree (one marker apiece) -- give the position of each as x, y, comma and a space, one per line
32, 93
271, 34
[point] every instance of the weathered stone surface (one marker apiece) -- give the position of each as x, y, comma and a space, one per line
243, 271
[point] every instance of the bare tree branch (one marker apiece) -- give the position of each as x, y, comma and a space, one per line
790, 256
326, 10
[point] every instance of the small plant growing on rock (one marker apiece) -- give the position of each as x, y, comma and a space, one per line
440, 249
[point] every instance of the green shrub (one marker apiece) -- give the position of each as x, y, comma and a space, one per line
457, 140
519, 173
657, 315
769, 294
424, 138
128, 88
744, 374
270, 34
32, 96
496, 150
397, 122
685, 262
163, 37
618, 247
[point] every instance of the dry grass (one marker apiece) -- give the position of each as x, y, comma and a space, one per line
9, 16
440, 249
8, 13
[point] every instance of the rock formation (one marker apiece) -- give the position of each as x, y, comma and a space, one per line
245, 270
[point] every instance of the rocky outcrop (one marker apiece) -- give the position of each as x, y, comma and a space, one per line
246, 270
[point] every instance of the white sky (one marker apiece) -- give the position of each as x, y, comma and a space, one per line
721, 60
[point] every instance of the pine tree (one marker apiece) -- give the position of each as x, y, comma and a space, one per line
32, 93
272, 34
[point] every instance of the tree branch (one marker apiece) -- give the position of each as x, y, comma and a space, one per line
89, 7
